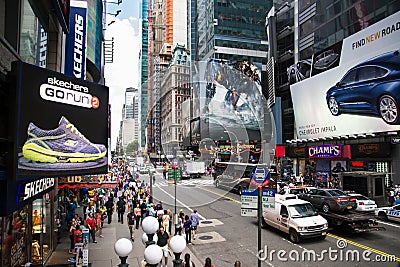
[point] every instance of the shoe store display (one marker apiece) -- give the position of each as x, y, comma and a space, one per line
63, 144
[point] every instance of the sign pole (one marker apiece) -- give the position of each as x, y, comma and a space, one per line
175, 187
259, 215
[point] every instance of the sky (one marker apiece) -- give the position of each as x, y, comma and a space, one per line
124, 71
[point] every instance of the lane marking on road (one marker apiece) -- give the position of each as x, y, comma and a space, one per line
390, 224
180, 202
364, 247
330, 235
218, 194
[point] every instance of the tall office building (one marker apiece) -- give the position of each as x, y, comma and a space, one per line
226, 32
143, 57
168, 28
230, 30
129, 130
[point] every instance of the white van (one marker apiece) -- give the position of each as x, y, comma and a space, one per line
296, 217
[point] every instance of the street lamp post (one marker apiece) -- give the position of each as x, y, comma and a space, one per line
174, 166
153, 253
237, 144
122, 248
150, 227
177, 244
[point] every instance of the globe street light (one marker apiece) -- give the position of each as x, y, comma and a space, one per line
150, 227
145, 238
153, 255
177, 244
122, 248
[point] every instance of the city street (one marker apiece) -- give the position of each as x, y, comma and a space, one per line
225, 236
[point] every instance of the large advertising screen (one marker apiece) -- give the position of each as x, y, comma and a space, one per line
355, 88
234, 99
62, 124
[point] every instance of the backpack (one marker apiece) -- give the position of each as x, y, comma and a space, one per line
121, 206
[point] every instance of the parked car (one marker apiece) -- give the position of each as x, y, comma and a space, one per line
371, 88
231, 183
330, 200
364, 203
389, 213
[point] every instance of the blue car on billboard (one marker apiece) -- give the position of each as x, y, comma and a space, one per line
370, 88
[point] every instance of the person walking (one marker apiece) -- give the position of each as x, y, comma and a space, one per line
131, 223
72, 229
99, 223
110, 209
121, 209
194, 217
138, 215
78, 238
178, 224
91, 225
85, 204
187, 262
165, 221
187, 225
163, 243
208, 263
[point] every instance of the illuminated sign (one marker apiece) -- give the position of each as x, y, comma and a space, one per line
57, 116
34, 188
75, 48
325, 151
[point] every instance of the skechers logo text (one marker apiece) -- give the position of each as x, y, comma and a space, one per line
66, 96
78, 46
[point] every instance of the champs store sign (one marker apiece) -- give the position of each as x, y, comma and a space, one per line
326, 151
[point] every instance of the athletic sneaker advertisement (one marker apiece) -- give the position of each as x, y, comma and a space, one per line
75, 45
359, 92
61, 124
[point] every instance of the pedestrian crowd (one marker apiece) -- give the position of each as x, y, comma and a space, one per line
132, 202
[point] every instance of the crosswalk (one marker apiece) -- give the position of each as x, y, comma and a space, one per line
189, 183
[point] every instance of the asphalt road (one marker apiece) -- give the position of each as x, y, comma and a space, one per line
225, 236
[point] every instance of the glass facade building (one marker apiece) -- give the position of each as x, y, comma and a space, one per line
144, 72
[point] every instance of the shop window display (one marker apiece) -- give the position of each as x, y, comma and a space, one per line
40, 230
14, 238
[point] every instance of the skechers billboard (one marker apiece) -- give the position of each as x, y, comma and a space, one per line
62, 124
361, 94
75, 47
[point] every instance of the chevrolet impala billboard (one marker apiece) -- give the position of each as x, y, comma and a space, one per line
361, 94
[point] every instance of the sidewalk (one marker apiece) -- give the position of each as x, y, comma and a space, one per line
102, 254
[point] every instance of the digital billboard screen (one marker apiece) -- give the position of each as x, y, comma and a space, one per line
358, 92
233, 98
61, 124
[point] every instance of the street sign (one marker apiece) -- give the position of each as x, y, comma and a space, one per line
176, 172
260, 176
249, 201
249, 212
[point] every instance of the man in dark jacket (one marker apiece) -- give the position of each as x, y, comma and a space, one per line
110, 208
121, 209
